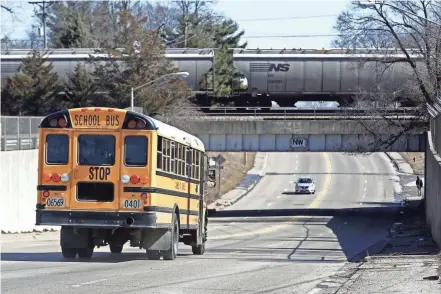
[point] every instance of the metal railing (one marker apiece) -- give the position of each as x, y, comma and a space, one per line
299, 112
19, 132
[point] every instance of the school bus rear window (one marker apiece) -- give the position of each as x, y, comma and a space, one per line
57, 149
135, 151
96, 150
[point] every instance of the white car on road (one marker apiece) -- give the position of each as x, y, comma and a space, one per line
305, 185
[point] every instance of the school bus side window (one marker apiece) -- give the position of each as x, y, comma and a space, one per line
198, 165
173, 157
136, 151
159, 151
165, 155
57, 149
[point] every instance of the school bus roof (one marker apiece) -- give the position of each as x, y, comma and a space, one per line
169, 131
116, 119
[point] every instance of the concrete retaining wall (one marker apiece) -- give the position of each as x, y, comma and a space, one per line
291, 127
433, 189
18, 198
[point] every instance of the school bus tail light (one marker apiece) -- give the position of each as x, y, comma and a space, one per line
46, 177
136, 123
65, 177
58, 122
55, 177
134, 179
131, 124
125, 179
145, 198
140, 124
46, 194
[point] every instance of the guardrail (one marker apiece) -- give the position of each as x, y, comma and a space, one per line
19, 132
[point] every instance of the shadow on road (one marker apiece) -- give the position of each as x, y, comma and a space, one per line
358, 231
98, 257
390, 211
333, 173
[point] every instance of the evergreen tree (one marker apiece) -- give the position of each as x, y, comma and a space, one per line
226, 37
32, 91
80, 89
67, 25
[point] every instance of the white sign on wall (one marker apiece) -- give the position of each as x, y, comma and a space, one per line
299, 143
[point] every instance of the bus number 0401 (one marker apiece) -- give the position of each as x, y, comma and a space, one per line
131, 204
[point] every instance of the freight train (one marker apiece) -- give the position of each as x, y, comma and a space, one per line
281, 75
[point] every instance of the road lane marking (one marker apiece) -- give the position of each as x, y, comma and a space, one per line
89, 283
269, 204
278, 197
282, 225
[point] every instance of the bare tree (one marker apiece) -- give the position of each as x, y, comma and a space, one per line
141, 61
413, 29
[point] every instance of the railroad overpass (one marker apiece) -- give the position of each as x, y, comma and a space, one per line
328, 135
300, 130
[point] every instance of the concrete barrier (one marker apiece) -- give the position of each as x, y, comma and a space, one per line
18, 182
433, 189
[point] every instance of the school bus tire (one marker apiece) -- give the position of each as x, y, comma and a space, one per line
200, 249
172, 253
115, 249
69, 253
85, 253
153, 254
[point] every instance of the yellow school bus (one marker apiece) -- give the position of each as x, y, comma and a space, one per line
111, 176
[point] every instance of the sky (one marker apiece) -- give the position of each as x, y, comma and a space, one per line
267, 24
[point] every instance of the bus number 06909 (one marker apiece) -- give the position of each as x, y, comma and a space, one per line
131, 204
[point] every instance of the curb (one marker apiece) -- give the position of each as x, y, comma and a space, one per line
397, 167
247, 190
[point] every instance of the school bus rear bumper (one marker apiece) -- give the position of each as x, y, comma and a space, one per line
97, 219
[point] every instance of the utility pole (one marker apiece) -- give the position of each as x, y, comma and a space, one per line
43, 8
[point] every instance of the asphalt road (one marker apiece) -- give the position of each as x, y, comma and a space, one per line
244, 255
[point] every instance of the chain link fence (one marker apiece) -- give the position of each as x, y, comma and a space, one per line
19, 132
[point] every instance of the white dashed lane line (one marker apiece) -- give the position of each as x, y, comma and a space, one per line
88, 283
365, 185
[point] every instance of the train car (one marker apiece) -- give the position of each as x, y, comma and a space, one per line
288, 76
197, 62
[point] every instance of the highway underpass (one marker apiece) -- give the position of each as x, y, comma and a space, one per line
243, 253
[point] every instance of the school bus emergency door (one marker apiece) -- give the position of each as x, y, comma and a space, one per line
96, 168
96, 158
